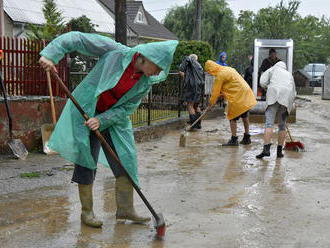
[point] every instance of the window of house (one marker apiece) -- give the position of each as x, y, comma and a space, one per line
140, 17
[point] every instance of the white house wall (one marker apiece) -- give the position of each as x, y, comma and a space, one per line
8, 26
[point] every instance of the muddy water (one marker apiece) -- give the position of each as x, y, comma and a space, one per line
211, 196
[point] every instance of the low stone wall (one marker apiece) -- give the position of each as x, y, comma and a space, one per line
28, 114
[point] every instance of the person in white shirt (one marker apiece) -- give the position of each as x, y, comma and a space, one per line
280, 96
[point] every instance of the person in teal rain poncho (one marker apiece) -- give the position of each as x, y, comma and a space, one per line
110, 93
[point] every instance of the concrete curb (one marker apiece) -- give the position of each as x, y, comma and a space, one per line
161, 128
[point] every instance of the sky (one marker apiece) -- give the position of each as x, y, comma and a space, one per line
158, 8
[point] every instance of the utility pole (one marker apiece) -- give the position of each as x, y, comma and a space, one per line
198, 20
120, 21
2, 19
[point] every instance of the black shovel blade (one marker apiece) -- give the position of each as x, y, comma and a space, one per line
18, 148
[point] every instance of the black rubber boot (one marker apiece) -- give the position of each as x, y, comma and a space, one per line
279, 151
199, 123
265, 152
191, 119
246, 139
232, 142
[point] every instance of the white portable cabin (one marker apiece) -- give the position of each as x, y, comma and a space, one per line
284, 50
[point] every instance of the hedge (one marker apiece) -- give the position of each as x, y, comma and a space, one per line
201, 48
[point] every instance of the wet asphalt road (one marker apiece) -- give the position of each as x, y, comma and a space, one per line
211, 196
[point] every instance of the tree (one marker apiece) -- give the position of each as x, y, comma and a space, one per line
310, 34
82, 24
54, 23
217, 23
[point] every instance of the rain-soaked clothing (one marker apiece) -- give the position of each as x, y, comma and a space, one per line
265, 65
229, 83
71, 137
83, 175
220, 61
274, 110
129, 78
280, 86
193, 80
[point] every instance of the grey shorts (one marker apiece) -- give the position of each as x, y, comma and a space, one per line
83, 175
278, 110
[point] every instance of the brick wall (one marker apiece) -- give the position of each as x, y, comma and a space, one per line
28, 114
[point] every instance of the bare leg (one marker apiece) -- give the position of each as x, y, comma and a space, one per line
197, 108
190, 108
233, 127
246, 125
281, 137
268, 135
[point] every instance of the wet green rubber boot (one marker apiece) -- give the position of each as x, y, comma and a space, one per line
124, 200
86, 199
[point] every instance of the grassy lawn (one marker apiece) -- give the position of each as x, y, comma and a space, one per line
140, 116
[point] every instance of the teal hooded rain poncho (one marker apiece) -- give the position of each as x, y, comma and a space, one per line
71, 137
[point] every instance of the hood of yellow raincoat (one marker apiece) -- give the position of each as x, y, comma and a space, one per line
212, 67
160, 53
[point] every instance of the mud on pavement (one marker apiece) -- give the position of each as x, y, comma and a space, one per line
210, 196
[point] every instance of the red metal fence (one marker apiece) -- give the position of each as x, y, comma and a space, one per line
21, 71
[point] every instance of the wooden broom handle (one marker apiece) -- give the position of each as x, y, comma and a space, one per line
106, 145
287, 129
52, 104
198, 119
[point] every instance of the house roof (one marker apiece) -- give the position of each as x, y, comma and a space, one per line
30, 11
153, 29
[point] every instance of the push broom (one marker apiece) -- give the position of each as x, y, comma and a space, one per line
159, 222
293, 145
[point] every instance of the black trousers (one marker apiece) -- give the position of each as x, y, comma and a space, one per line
83, 175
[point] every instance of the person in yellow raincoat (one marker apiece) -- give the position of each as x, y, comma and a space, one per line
110, 93
230, 84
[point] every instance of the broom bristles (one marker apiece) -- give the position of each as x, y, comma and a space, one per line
294, 145
182, 142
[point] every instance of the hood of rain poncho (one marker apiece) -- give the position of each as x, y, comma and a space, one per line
212, 68
220, 62
160, 53
280, 64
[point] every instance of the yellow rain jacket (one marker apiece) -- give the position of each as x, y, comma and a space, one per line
229, 83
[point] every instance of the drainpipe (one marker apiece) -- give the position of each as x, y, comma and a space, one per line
2, 19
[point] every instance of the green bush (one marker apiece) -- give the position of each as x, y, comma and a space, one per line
201, 48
